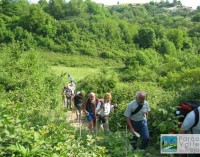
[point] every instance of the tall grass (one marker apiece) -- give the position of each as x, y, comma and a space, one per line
57, 59
77, 73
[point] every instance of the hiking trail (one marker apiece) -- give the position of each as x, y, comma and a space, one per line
74, 122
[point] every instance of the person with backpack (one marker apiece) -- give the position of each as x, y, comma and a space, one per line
71, 90
89, 107
64, 96
102, 111
136, 115
188, 114
69, 97
191, 125
78, 101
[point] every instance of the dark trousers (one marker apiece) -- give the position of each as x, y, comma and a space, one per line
142, 128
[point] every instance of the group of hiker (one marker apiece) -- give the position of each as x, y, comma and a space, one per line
136, 114
96, 110
97, 113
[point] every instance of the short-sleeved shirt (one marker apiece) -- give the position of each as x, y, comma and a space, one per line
140, 115
105, 111
189, 121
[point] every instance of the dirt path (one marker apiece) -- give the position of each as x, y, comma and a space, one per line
72, 119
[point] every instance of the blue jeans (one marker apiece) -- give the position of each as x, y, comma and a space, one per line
142, 128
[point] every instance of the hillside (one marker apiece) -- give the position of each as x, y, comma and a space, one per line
119, 49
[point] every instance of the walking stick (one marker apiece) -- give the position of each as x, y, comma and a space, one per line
126, 142
79, 123
71, 114
95, 130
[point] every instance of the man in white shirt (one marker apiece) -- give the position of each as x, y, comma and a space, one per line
187, 124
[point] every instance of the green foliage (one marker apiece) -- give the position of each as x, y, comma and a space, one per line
84, 27
99, 83
177, 37
194, 31
39, 22
57, 8
146, 37
32, 123
160, 49
196, 18
166, 47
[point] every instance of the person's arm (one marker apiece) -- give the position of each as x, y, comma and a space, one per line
188, 122
100, 106
84, 106
147, 115
97, 110
128, 120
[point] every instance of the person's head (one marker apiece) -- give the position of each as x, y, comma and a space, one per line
107, 97
140, 97
81, 94
92, 96
66, 86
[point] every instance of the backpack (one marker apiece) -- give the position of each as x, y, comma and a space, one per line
89, 106
185, 108
68, 93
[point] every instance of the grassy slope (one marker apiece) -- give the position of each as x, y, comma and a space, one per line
78, 73
79, 66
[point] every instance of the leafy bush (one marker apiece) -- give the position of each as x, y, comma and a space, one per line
32, 123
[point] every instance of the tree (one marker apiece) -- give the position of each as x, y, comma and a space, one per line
75, 7
93, 8
166, 47
194, 31
196, 18
39, 22
146, 37
44, 5
57, 8
177, 37
14, 7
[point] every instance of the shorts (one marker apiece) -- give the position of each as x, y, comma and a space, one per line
103, 120
90, 117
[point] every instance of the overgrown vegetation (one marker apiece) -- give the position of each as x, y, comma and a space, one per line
119, 49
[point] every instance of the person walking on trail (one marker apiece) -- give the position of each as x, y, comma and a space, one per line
72, 86
78, 101
102, 111
72, 91
89, 107
136, 115
64, 96
186, 128
69, 97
